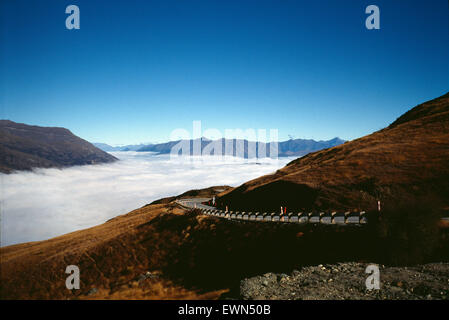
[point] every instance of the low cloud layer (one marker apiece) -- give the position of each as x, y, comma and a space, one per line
49, 202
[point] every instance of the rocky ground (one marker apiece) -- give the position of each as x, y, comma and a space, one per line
347, 281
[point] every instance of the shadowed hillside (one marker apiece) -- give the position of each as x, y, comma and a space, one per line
408, 159
164, 252
23, 147
120, 259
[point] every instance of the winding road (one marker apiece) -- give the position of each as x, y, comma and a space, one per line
342, 218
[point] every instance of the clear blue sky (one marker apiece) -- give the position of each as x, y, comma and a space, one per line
136, 70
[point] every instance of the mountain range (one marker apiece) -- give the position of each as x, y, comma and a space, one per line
233, 147
24, 147
107, 148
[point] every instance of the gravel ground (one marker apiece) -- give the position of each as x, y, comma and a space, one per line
347, 281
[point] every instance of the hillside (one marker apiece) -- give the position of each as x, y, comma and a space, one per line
111, 257
407, 160
196, 193
161, 251
23, 147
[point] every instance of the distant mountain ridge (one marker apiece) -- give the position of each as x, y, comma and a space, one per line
292, 147
108, 148
24, 147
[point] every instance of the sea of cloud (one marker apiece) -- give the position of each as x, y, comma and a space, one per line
46, 203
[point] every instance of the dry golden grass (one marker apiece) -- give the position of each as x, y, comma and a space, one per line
409, 158
190, 256
110, 257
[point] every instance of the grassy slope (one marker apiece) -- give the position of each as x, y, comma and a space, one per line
194, 256
409, 158
110, 257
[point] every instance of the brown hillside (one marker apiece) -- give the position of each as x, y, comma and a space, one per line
112, 258
406, 160
164, 252
24, 147
189, 256
196, 193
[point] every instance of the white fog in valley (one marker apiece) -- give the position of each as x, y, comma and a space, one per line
46, 203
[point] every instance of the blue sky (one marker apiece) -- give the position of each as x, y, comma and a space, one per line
136, 70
